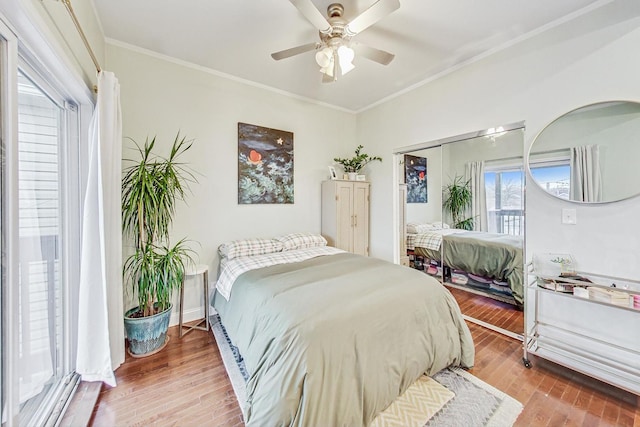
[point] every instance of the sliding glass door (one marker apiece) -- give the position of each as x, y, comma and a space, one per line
41, 295
40, 241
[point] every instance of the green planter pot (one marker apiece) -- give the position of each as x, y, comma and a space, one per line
147, 335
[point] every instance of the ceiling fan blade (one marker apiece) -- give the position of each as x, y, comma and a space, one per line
313, 15
370, 16
373, 54
295, 51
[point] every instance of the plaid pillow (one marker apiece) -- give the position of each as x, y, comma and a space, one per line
249, 247
301, 241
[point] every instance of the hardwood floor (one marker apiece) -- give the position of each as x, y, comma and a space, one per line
501, 314
186, 385
183, 385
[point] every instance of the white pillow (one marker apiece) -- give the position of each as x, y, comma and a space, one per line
417, 228
301, 241
249, 247
440, 225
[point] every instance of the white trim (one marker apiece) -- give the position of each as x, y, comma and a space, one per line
395, 193
217, 73
552, 159
189, 315
457, 138
71, 220
10, 236
519, 337
511, 165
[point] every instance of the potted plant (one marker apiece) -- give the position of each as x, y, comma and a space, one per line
456, 200
355, 164
151, 187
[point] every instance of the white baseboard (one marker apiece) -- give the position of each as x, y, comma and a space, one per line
188, 315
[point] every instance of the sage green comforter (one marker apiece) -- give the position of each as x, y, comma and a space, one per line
484, 254
487, 254
333, 340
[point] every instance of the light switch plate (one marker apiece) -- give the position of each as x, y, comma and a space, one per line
569, 216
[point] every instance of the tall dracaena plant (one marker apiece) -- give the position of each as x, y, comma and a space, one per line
151, 187
457, 199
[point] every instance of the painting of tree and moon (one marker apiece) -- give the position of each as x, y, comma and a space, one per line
416, 178
265, 165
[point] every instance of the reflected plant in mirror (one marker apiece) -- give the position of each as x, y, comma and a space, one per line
588, 154
457, 200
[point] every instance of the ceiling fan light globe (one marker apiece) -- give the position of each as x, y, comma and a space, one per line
346, 54
346, 67
345, 57
328, 70
323, 57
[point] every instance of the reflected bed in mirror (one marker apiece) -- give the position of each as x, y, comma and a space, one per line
487, 259
589, 155
474, 245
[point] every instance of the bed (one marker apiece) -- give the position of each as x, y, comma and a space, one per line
332, 338
487, 255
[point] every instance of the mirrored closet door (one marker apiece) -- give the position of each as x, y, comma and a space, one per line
465, 221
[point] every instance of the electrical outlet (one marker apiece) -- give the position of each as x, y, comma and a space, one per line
569, 216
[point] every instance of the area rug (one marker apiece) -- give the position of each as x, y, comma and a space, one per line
422, 400
453, 397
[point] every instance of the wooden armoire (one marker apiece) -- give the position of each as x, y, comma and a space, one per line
345, 215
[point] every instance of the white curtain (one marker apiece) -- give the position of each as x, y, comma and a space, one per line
586, 182
100, 323
475, 174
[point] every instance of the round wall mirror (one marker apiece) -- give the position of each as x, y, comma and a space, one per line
589, 155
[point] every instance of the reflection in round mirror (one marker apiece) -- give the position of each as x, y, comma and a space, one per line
589, 155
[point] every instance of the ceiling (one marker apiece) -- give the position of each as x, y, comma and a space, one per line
236, 37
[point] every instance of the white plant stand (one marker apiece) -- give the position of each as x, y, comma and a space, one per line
203, 270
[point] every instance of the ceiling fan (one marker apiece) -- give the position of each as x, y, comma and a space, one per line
335, 51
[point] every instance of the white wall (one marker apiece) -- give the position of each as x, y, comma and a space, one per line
587, 60
161, 97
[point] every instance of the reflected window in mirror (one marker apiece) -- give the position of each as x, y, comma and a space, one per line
588, 155
505, 207
492, 165
553, 177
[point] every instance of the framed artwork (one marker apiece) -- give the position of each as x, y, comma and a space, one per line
415, 176
265, 165
332, 173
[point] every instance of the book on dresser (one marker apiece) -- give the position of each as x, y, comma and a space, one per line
609, 296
